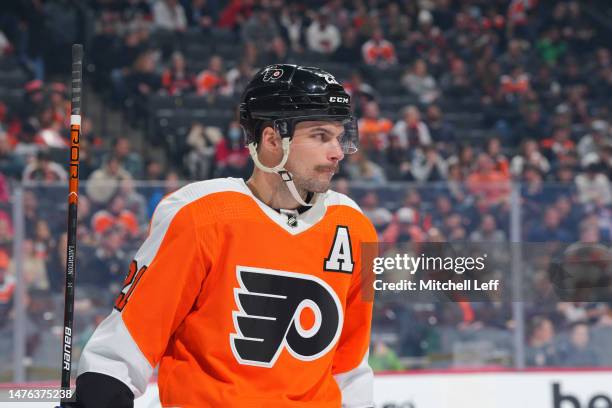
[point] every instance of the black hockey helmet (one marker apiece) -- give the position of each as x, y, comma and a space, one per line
283, 95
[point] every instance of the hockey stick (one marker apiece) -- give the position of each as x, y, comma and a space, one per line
73, 200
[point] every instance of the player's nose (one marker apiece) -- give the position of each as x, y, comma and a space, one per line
335, 152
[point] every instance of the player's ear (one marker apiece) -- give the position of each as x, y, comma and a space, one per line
270, 139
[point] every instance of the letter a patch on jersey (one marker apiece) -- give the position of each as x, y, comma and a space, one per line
271, 306
340, 258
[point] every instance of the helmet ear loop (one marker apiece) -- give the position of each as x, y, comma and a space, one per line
284, 128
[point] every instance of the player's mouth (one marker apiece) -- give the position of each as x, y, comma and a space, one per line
331, 170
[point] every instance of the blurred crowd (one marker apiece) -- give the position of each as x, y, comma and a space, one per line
458, 98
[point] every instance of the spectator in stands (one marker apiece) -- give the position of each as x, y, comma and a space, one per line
378, 52
373, 130
541, 350
201, 14
411, 131
134, 202
177, 79
456, 82
592, 143
350, 49
487, 231
11, 164
43, 169
231, 155
593, 185
142, 81
532, 125
428, 165
428, 37
397, 161
322, 36
569, 213
443, 208
58, 99
238, 77
467, 159
440, 130
200, 159
169, 15
212, 79
89, 160
117, 216
360, 91
404, 227
515, 55
360, 168
293, 23
533, 193
550, 230
129, 158
104, 182
48, 128
514, 84
108, 262
260, 28
453, 227
34, 268
397, 23
369, 203
494, 150
530, 155
420, 83
456, 182
559, 145
579, 351
278, 53
488, 182
551, 47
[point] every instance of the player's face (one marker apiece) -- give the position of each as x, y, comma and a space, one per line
315, 154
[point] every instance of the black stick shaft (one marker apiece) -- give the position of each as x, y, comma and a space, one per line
73, 199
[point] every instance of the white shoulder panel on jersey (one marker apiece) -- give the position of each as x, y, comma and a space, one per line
335, 198
357, 386
111, 350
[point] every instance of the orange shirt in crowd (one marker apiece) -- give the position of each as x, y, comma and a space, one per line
493, 185
376, 51
373, 133
209, 81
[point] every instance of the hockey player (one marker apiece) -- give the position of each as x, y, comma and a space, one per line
248, 294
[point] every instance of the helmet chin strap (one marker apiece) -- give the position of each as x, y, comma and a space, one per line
279, 168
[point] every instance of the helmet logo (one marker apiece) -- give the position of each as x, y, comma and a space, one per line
329, 78
338, 99
272, 74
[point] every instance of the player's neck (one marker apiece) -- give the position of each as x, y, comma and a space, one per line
272, 191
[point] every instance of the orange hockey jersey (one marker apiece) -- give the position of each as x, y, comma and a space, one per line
243, 306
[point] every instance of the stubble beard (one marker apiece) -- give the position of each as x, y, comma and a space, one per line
316, 181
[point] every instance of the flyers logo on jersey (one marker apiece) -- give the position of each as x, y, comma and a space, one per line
271, 306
